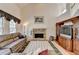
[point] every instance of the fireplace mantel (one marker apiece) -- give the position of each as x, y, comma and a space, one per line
39, 31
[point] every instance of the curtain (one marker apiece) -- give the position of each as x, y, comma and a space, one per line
9, 17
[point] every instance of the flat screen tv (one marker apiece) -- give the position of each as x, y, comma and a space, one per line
66, 29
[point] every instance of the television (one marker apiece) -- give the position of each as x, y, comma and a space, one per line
66, 29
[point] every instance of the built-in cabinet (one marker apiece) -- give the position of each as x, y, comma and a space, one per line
76, 46
76, 37
66, 43
69, 43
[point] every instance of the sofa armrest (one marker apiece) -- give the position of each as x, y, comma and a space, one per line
16, 46
2, 44
13, 43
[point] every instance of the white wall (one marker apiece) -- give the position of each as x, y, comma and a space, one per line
10, 8
71, 12
61, 8
49, 11
13, 10
63, 17
27, 13
74, 9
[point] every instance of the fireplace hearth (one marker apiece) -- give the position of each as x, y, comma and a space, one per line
39, 35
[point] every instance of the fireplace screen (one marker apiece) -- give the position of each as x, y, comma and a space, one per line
39, 35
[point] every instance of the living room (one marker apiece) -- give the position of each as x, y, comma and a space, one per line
37, 25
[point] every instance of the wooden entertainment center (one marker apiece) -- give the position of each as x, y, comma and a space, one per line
70, 39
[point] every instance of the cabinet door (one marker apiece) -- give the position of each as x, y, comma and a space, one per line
76, 41
76, 46
61, 41
69, 44
64, 42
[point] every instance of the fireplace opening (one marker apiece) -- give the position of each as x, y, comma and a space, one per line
39, 35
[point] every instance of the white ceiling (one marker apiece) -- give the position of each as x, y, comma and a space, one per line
56, 6
22, 5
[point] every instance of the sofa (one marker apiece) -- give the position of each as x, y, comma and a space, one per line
11, 43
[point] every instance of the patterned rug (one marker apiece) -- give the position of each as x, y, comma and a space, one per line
24, 47
56, 51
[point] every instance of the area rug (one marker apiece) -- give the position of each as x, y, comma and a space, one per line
57, 52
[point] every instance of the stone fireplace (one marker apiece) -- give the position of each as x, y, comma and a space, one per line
39, 33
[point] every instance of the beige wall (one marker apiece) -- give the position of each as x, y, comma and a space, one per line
27, 13
13, 10
71, 12
10, 8
49, 11
63, 17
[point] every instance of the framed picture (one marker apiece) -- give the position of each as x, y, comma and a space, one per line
39, 19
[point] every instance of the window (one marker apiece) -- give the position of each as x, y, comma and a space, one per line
12, 26
1, 25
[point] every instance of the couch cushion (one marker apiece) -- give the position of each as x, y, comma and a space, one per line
16, 45
8, 36
16, 38
4, 43
13, 43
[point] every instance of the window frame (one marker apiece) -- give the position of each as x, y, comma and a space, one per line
2, 26
12, 27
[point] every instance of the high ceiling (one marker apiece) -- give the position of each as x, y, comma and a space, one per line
22, 5
25, 4
60, 6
